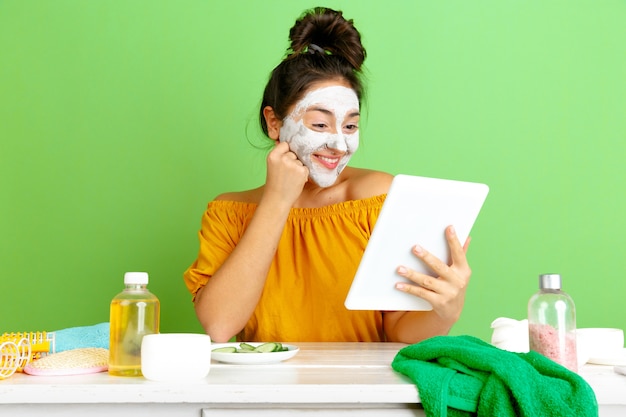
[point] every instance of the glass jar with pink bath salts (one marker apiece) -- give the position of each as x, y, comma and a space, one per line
552, 322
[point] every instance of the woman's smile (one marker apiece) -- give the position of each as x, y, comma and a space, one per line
328, 161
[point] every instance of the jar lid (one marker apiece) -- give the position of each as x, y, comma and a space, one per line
550, 281
136, 278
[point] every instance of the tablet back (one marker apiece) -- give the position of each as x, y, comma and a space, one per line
416, 211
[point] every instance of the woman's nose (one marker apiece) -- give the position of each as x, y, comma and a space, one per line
337, 142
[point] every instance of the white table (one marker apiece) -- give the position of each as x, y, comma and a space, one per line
335, 378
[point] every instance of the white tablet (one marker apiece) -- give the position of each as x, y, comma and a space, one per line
416, 211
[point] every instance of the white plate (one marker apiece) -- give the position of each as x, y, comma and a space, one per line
617, 359
252, 358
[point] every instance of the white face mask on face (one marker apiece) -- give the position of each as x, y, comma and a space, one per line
325, 152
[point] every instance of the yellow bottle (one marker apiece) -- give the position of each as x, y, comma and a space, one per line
134, 313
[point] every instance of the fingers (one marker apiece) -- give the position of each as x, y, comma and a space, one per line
458, 260
467, 243
281, 152
456, 273
286, 175
282, 149
457, 252
434, 263
446, 293
426, 282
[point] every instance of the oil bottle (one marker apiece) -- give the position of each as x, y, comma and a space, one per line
134, 313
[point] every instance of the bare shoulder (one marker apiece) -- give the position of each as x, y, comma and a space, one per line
248, 196
366, 183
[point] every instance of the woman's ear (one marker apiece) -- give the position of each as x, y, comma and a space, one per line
273, 123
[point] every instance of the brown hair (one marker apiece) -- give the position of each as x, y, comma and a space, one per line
324, 46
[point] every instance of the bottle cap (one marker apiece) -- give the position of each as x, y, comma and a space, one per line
136, 278
550, 281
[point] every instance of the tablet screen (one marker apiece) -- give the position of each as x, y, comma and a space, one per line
417, 210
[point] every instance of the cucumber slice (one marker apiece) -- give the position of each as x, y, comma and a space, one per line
227, 349
246, 346
267, 347
246, 351
279, 347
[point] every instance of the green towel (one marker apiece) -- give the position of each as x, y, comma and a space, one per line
462, 375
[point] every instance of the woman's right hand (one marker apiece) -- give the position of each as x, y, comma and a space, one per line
286, 175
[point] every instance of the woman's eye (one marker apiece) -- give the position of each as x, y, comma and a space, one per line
319, 125
351, 127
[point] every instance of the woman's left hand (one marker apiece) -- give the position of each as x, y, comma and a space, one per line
447, 292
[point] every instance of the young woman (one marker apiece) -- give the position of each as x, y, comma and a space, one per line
276, 262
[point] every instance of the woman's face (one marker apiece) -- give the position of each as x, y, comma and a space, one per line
322, 130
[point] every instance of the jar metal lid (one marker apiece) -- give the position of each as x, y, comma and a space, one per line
550, 281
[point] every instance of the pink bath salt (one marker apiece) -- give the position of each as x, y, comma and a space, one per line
545, 339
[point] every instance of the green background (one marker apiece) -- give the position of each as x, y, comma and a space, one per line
120, 120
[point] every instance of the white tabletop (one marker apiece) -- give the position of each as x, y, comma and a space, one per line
327, 373
362, 370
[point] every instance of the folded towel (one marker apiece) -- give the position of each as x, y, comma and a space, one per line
95, 336
462, 375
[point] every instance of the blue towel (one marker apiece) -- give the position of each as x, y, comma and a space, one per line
96, 336
462, 375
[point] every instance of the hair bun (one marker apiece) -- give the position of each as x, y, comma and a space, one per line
330, 31
324, 46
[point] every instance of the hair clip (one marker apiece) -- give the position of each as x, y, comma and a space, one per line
313, 48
